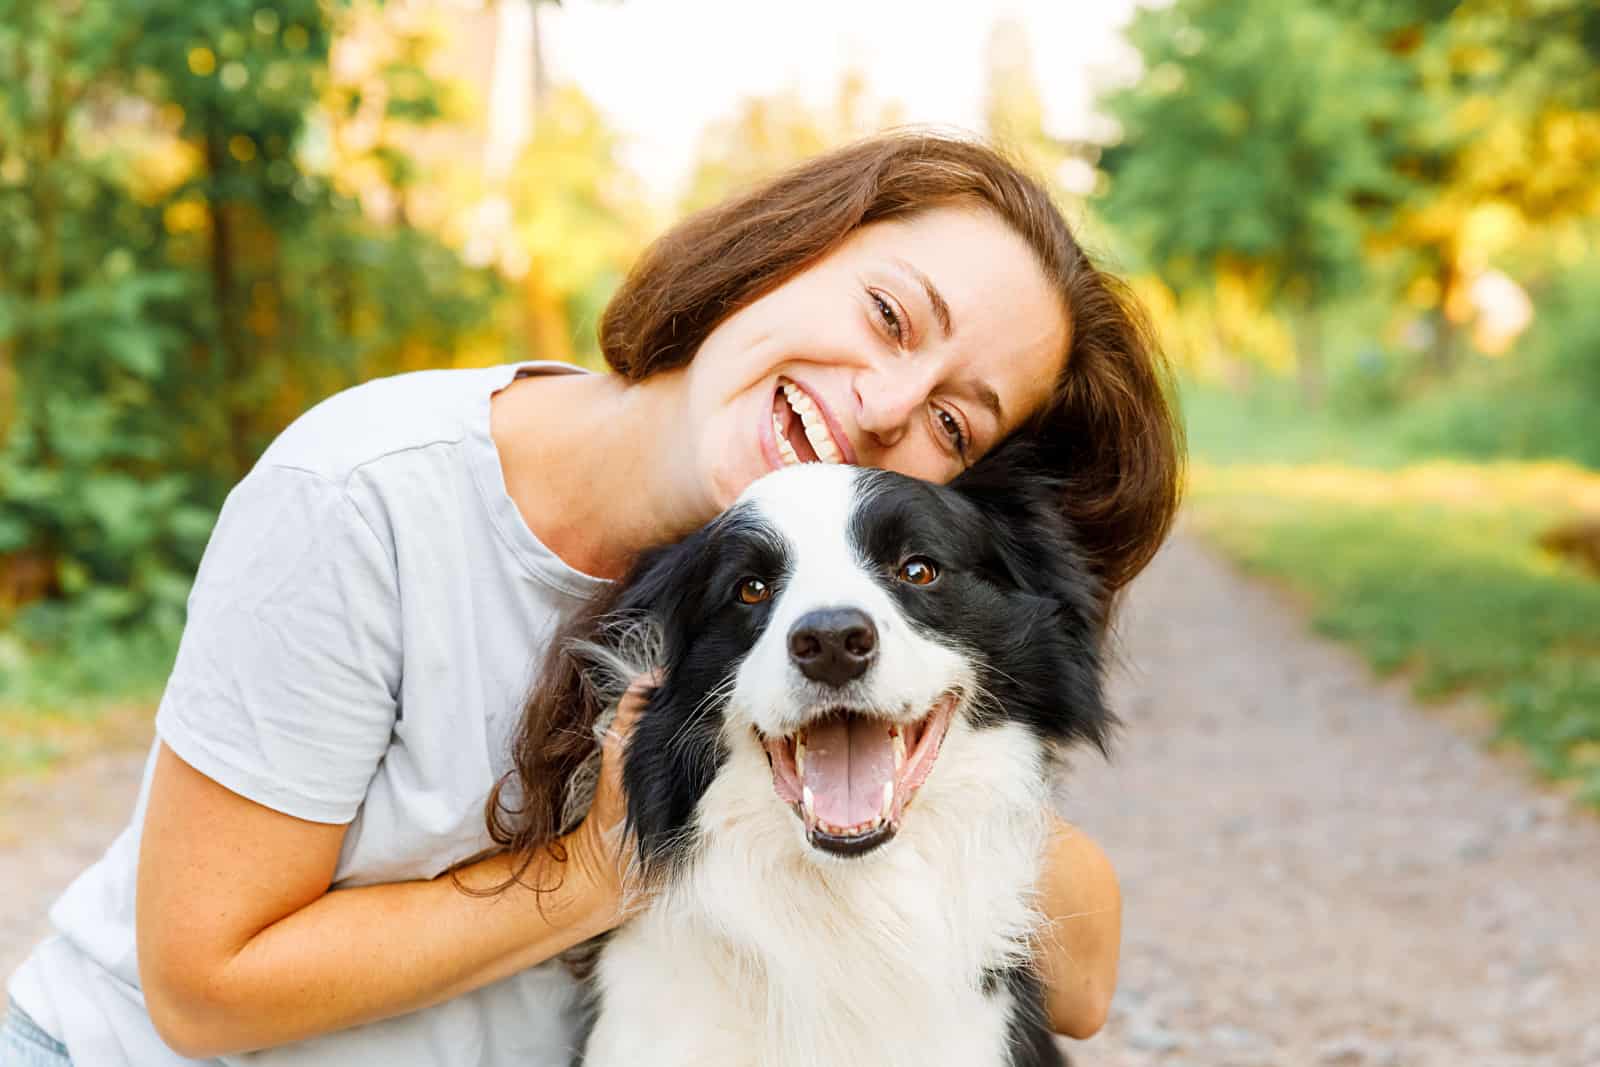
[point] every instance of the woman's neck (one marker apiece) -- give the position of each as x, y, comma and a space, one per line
588, 462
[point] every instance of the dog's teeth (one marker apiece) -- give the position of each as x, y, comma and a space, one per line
888, 801
899, 750
808, 803
800, 756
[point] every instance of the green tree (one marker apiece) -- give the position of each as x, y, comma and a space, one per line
1517, 94
178, 277
1259, 144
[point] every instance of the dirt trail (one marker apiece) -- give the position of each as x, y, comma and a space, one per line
1315, 871
50, 830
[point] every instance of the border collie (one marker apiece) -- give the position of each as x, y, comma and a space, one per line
839, 791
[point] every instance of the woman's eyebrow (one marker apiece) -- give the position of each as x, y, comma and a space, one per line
989, 399
941, 310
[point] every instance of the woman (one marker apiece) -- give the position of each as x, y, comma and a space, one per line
377, 591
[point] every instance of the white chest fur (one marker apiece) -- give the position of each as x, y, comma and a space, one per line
763, 953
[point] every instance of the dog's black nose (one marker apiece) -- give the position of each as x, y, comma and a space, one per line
834, 645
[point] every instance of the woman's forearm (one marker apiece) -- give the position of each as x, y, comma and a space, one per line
1081, 940
357, 955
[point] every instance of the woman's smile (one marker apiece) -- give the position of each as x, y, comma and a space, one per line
802, 429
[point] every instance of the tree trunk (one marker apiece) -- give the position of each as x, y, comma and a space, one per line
226, 364
541, 80
1442, 346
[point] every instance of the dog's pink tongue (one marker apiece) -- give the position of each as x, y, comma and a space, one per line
849, 759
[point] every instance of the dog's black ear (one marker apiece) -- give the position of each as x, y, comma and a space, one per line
674, 750
1060, 628
1032, 539
660, 587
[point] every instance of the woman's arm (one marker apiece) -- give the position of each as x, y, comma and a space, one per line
242, 946
1078, 948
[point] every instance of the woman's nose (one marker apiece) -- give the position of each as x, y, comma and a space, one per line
888, 398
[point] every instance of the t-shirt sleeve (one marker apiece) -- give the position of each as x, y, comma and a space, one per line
286, 683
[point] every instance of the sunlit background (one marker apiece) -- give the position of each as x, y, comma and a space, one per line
1367, 230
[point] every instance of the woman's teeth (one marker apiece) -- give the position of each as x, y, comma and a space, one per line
816, 429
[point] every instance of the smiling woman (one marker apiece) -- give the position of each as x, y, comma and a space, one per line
360, 632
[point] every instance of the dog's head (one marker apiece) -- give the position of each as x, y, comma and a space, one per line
841, 619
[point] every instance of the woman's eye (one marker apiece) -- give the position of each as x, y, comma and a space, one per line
918, 570
754, 591
952, 430
891, 318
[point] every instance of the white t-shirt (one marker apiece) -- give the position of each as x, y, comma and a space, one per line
367, 620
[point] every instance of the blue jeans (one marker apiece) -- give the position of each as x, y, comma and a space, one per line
23, 1044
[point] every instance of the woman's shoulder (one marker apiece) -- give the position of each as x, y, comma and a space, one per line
386, 416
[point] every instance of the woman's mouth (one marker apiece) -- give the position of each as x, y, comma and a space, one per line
799, 428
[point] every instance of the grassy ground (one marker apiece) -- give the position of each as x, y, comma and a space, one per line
32, 739
1426, 566
51, 711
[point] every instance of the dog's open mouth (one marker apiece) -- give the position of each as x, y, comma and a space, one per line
849, 776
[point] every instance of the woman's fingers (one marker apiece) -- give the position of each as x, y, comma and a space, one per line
601, 834
609, 799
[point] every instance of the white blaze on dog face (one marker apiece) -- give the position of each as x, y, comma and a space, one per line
849, 698
810, 508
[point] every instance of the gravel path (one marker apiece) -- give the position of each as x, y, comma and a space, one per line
1315, 872
50, 830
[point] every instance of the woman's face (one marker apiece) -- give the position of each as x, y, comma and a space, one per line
914, 346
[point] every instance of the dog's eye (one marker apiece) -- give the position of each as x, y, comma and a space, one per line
754, 591
918, 570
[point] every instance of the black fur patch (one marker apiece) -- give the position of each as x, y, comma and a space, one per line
691, 591
1032, 1042
1011, 588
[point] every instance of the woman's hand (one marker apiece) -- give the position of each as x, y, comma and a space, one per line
1078, 947
600, 843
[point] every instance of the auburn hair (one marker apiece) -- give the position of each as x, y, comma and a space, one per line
1110, 427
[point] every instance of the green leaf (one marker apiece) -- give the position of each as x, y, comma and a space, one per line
14, 533
138, 349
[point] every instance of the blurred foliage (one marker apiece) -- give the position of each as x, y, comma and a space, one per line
213, 215
181, 272
1538, 403
1544, 402
1262, 169
1316, 182
579, 220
